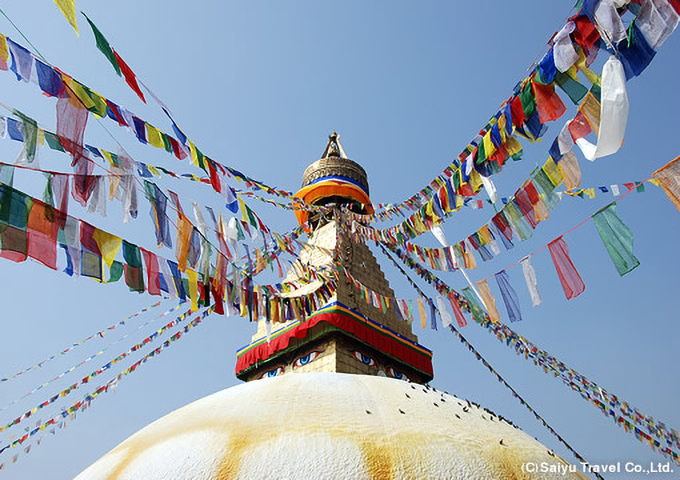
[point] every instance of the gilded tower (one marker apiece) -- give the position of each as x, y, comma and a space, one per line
348, 334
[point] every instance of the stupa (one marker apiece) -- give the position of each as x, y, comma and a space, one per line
342, 394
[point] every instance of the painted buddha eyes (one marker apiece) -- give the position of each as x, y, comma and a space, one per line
304, 360
397, 374
272, 373
365, 359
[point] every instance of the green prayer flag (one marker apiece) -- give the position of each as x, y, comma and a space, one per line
134, 274
29, 129
526, 96
115, 272
478, 315
14, 207
103, 45
48, 198
575, 90
166, 142
640, 187
617, 238
53, 141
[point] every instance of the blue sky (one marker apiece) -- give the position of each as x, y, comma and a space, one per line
259, 86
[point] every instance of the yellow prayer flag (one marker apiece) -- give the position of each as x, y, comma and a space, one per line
184, 231
192, 276
590, 107
4, 51
153, 136
581, 64
242, 206
541, 209
489, 147
485, 235
194, 153
468, 258
108, 245
553, 172
501, 127
68, 8
77, 89
475, 181
421, 311
513, 146
590, 192
489, 301
571, 170
154, 171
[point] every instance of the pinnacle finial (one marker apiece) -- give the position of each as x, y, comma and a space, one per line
334, 149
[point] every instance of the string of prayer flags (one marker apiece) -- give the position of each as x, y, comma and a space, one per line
589, 390
109, 386
98, 334
571, 281
617, 238
154, 336
68, 8
668, 178
92, 357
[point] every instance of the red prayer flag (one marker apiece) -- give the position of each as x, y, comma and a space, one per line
14, 243
532, 192
571, 281
42, 234
586, 35
579, 127
517, 112
129, 75
152, 272
456, 310
549, 105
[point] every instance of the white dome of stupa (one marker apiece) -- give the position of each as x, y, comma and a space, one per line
328, 425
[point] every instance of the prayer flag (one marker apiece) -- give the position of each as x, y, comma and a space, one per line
478, 314
617, 238
49, 79
669, 179
68, 8
509, 296
22, 61
193, 289
489, 301
159, 203
108, 244
613, 113
103, 45
421, 312
134, 275
153, 280
571, 281
635, 52
129, 75
531, 281
447, 319
455, 306
548, 103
